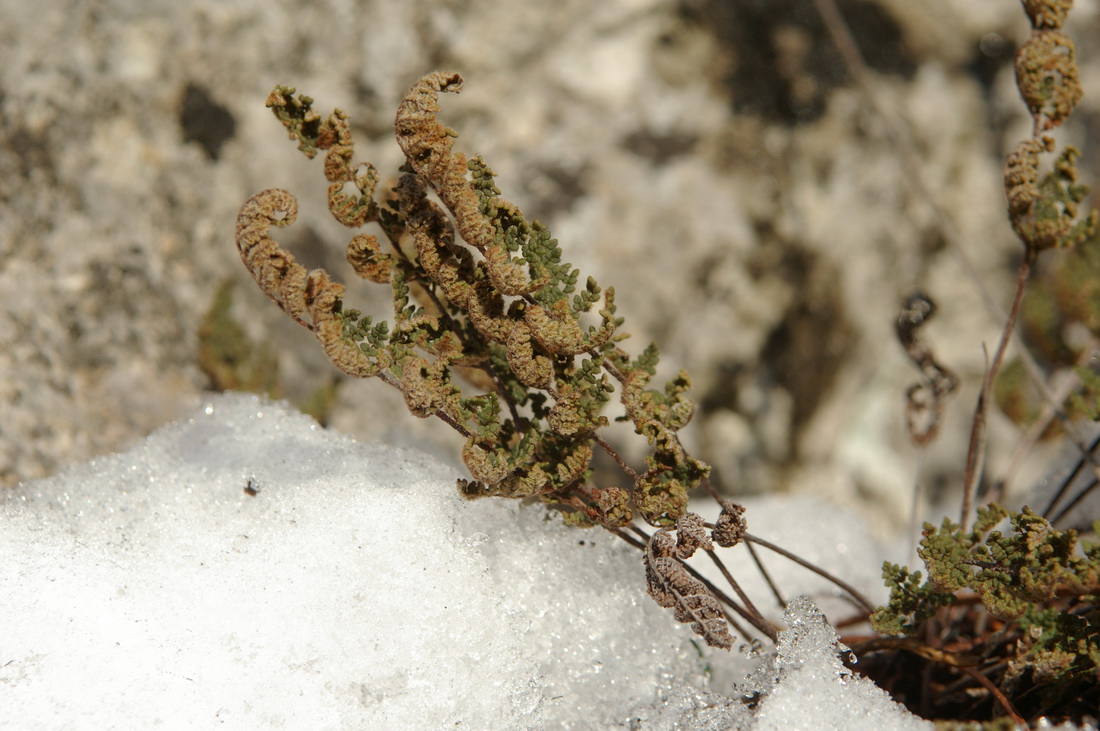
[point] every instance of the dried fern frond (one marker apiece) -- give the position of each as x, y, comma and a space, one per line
672, 587
730, 528
924, 400
495, 298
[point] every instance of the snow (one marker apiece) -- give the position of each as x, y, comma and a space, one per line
355, 589
808, 681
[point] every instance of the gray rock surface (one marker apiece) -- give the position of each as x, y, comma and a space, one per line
711, 160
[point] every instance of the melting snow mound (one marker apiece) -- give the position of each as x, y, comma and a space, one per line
245, 568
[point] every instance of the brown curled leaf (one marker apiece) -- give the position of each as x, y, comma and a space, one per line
275, 270
485, 308
556, 329
420, 389
1048, 78
427, 145
295, 290
1045, 210
532, 370
1047, 13
487, 465
324, 299
565, 415
660, 498
366, 258
350, 210
610, 507
691, 536
1021, 175
424, 140
924, 400
730, 528
672, 587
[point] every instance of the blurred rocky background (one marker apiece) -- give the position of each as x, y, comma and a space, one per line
755, 208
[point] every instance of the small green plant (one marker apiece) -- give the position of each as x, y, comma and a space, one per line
1012, 574
1022, 606
1019, 610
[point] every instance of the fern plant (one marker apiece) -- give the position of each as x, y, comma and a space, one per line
482, 295
480, 289
495, 334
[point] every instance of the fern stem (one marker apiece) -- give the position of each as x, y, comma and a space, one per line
767, 576
851, 590
614, 454
994, 691
737, 589
975, 451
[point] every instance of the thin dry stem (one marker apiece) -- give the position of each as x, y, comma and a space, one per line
614, 454
767, 576
734, 584
848, 588
994, 691
976, 450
